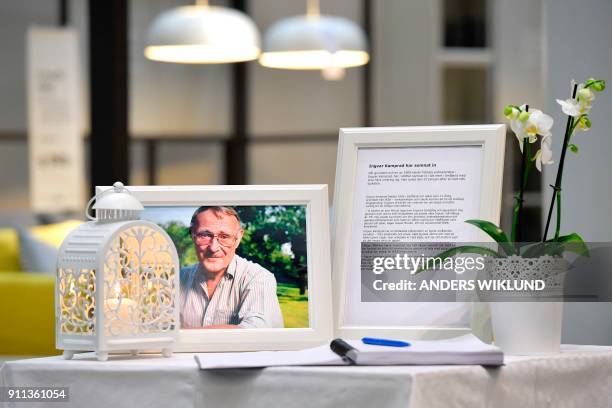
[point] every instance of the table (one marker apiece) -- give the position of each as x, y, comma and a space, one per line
580, 376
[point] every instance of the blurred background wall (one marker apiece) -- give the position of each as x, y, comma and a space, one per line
415, 80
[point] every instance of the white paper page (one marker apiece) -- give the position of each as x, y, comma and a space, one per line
461, 344
442, 181
321, 355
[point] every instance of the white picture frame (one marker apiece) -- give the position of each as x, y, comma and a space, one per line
315, 198
491, 138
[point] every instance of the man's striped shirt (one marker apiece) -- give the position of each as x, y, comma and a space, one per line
245, 296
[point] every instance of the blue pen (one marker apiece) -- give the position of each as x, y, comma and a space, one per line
384, 342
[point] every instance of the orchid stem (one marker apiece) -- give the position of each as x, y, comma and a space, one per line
518, 206
558, 229
557, 187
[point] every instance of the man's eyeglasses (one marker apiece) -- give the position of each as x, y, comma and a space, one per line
206, 237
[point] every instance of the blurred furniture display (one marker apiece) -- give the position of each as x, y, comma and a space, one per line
579, 376
27, 320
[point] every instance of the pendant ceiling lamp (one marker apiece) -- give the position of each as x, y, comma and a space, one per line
202, 34
314, 42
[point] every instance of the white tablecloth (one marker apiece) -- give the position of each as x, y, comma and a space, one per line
581, 376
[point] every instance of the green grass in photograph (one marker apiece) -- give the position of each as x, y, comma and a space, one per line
293, 305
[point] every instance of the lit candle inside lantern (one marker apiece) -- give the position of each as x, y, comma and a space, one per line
122, 326
120, 311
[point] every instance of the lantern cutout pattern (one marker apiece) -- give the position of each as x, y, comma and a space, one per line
117, 282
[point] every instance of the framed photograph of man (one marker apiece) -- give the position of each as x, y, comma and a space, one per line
408, 187
255, 269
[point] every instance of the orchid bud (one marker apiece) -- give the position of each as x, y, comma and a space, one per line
523, 116
586, 122
508, 111
586, 95
599, 85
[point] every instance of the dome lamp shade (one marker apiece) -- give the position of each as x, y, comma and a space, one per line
203, 34
314, 42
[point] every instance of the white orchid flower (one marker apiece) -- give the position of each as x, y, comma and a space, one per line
570, 107
580, 105
538, 123
518, 120
518, 127
531, 124
574, 107
545, 154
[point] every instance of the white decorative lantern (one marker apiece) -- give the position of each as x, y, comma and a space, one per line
117, 284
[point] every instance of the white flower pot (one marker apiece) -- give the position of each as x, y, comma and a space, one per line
525, 327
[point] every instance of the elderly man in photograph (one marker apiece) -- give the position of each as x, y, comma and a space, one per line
224, 290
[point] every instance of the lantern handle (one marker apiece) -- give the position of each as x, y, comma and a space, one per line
117, 187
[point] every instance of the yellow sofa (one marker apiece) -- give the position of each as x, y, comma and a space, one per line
27, 317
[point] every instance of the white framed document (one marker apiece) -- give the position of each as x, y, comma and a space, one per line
269, 247
415, 185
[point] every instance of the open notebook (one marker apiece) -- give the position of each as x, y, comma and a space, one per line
464, 350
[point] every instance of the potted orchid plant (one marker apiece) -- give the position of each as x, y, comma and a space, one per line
528, 127
531, 126
534, 327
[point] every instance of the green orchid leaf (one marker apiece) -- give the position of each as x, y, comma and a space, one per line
535, 251
494, 232
573, 148
556, 247
466, 249
550, 247
573, 243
